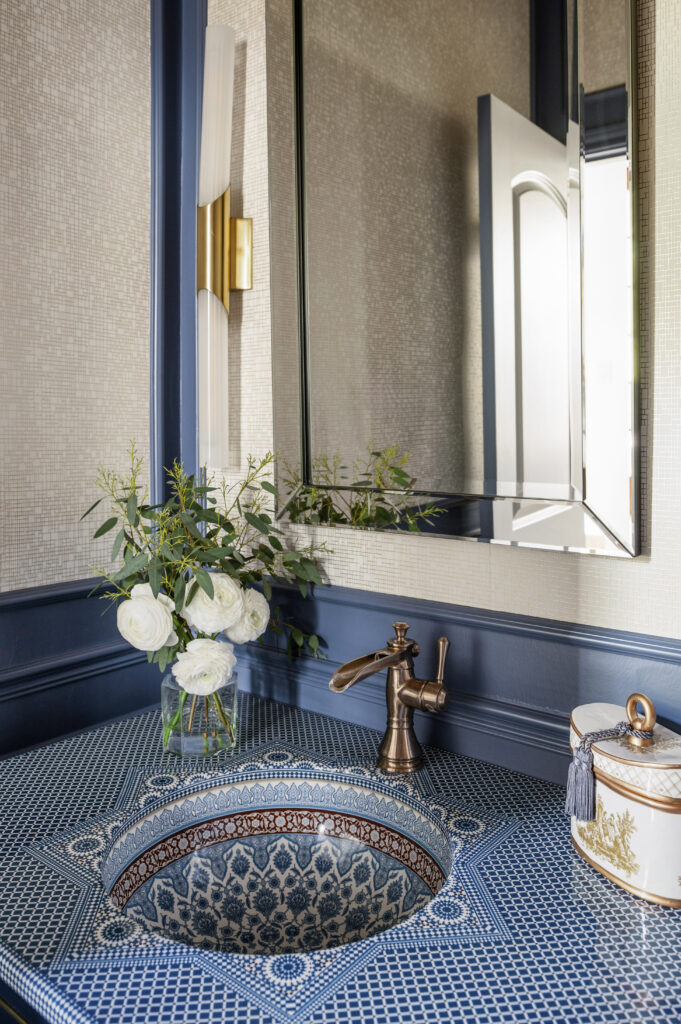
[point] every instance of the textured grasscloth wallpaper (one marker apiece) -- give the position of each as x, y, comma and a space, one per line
643, 594
74, 272
603, 42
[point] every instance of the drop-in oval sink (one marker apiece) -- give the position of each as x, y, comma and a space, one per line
277, 861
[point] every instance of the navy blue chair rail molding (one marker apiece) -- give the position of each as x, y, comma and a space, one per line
64, 664
512, 680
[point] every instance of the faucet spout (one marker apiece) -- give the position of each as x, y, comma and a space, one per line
354, 671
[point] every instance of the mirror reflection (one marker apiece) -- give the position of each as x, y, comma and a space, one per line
465, 224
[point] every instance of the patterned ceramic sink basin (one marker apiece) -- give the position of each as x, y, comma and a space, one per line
284, 860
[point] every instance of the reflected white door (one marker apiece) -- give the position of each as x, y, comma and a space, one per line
529, 225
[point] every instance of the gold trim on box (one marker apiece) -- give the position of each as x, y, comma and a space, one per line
623, 760
664, 901
670, 804
224, 250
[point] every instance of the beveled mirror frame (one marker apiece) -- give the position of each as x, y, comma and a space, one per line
470, 516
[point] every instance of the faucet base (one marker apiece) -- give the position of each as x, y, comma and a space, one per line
400, 751
397, 767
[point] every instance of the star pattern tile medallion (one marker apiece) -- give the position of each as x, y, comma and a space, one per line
518, 929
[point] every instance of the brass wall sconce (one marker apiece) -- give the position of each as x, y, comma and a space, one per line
224, 248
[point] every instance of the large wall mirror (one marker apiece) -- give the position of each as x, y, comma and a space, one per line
453, 273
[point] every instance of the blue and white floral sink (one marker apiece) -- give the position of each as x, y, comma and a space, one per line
281, 859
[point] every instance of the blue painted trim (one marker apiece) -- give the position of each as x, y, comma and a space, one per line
524, 739
301, 218
35, 597
156, 263
194, 20
65, 665
616, 641
74, 693
513, 679
549, 66
45, 673
21, 1011
177, 45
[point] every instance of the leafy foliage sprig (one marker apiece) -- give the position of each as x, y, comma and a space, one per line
376, 493
174, 545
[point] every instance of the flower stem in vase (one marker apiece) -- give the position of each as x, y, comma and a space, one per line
223, 717
192, 712
175, 720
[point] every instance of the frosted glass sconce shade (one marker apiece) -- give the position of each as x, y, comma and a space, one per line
213, 359
224, 247
216, 116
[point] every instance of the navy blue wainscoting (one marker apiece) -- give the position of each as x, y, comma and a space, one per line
512, 680
64, 665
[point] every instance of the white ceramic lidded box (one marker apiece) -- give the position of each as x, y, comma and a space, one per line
635, 837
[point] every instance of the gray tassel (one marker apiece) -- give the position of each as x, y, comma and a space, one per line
581, 784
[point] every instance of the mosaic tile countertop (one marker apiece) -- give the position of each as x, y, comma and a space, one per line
524, 931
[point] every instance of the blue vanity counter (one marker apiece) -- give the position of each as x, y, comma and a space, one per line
527, 932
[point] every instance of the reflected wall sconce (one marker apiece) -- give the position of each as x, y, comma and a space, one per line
224, 247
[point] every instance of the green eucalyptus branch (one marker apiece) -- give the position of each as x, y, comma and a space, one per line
375, 493
175, 545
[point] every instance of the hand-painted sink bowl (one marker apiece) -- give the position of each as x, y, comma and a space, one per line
277, 861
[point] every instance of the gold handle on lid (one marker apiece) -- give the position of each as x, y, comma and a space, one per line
642, 724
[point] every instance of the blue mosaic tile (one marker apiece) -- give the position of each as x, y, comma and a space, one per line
521, 932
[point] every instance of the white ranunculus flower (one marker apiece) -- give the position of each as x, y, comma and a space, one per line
253, 622
146, 621
205, 666
215, 614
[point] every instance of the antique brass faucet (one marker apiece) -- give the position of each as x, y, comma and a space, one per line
400, 750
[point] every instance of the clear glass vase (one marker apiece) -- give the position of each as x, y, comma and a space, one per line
194, 726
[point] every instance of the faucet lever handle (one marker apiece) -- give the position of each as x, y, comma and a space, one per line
442, 648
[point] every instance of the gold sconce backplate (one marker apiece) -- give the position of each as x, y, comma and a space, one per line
224, 250
241, 253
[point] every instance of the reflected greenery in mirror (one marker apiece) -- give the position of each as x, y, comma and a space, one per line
375, 492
